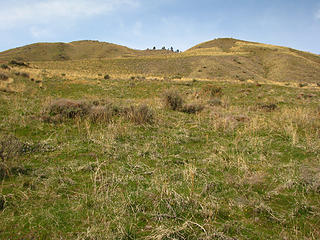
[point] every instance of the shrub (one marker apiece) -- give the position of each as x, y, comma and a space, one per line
101, 113
25, 75
4, 66
215, 102
303, 84
141, 114
67, 108
10, 148
106, 77
192, 108
2, 202
172, 100
178, 76
17, 63
213, 91
3, 77
268, 107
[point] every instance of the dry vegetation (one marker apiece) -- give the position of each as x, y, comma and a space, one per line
142, 157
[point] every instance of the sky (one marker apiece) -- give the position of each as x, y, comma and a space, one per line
142, 24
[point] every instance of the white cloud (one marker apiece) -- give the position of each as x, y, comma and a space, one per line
50, 11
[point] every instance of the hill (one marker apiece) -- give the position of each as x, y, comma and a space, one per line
224, 58
70, 51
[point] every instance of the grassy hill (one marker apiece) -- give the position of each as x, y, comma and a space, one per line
160, 150
70, 51
217, 59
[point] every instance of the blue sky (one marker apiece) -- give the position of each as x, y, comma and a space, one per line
143, 24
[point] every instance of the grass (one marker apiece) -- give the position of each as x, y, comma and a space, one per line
239, 169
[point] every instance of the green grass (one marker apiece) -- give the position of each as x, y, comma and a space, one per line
186, 176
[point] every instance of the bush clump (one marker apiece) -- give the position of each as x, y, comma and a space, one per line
106, 77
3, 77
172, 100
192, 108
67, 109
4, 66
17, 63
98, 111
101, 113
141, 114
